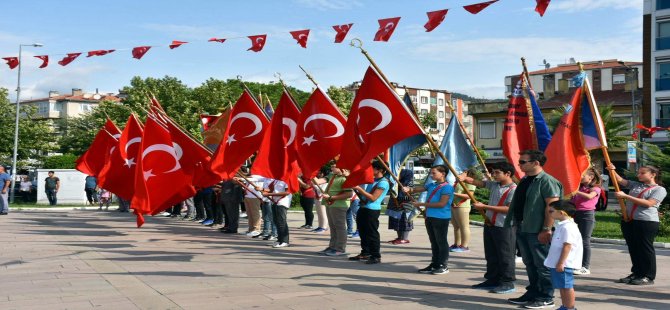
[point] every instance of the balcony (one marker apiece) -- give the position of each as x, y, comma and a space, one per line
662, 43
663, 122
662, 4
663, 84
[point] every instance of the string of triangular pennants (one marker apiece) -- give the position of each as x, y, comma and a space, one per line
386, 28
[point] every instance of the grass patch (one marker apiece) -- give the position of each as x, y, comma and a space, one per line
607, 226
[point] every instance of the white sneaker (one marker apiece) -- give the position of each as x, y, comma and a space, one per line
253, 233
518, 260
582, 271
243, 215
280, 245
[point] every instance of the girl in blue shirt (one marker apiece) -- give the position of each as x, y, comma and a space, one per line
438, 214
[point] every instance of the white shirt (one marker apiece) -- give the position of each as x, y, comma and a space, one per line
566, 232
279, 186
256, 180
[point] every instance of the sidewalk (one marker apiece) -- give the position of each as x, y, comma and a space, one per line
83, 259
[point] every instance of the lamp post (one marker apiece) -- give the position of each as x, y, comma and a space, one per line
632, 73
16, 128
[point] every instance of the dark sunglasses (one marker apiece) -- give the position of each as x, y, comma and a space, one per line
521, 161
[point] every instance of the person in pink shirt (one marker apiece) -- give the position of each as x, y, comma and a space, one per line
585, 200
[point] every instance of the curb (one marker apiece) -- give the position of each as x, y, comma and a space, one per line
659, 245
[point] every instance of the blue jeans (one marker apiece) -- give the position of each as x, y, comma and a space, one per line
269, 227
4, 203
51, 195
533, 254
351, 215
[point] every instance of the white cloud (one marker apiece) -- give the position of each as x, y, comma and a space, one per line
587, 5
324, 5
188, 32
482, 91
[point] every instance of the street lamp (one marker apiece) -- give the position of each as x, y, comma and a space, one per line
16, 128
633, 74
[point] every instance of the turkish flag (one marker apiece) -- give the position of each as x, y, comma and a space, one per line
112, 129
378, 119
257, 42
94, 159
435, 18
45, 61
138, 52
476, 8
244, 133
68, 59
12, 62
320, 133
342, 31
208, 120
301, 37
541, 6
386, 28
277, 157
216, 40
117, 175
99, 53
160, 181
176, 44
193, 157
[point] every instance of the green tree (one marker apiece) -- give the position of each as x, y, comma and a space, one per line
341, 97
66, 161
36, 138
428, 120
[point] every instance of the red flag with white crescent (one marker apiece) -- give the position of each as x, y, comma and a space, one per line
541, 6
45, 60
257, 42
176, 44
301, 37
220, 40
320, 133
277, 157
94, 159
244, 133
12, 62
68, 59
138, 52
478, 7
386, 28
378, 120
122, 161
435, 18
99, 53
342, 31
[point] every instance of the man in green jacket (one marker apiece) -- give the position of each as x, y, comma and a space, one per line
529, 215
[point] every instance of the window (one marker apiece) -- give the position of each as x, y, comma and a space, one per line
440, 126
43, 108
433, 101
424, 111
628, 120
619, 79
662, 4
413, 99
424, 100
84, 107
664, 115
440, 102
663, 38
487, 129
58, 107
440, 114
663, 78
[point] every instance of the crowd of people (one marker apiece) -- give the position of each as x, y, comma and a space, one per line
531, 218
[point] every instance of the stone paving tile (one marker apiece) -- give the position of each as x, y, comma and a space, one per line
83, 259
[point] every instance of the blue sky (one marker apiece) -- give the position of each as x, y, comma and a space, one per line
467, 53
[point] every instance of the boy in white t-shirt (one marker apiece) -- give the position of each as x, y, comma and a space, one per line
565, 253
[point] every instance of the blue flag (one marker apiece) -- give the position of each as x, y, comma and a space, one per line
455, 147
541, 129
399, 152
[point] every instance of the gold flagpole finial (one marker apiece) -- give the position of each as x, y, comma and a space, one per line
309, 76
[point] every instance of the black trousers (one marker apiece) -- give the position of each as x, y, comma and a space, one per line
307, 205
90, 195
279, 218
51, 195
217, 209
438, 229
367, 222
499, 251
639, 237
231, 209
176, 209
198, 203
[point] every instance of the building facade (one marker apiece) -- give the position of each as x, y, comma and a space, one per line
656, 57
56, 106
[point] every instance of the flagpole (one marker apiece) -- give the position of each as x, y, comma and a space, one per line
603, 148
430, 139
474, 147
278, 76
239, 78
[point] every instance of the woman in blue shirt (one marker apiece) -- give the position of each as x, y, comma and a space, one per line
438, 214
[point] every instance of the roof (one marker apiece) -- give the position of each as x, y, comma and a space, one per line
609, 97
78, 98
604, 64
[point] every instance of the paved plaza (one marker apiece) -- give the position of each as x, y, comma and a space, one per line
82, 259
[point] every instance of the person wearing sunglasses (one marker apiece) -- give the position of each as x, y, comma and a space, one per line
529, 215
